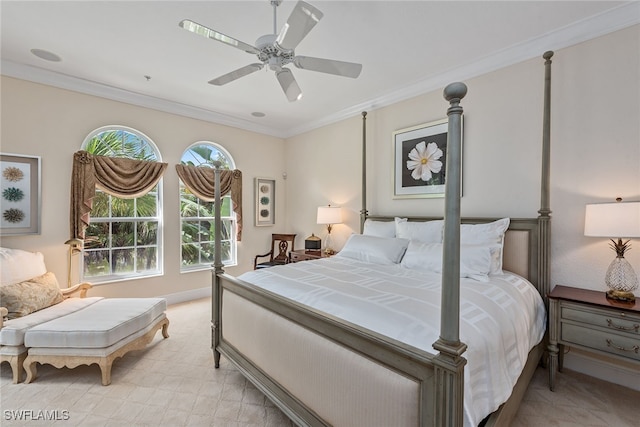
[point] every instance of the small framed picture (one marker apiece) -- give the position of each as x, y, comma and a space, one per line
265, 194
20, 185
419, 160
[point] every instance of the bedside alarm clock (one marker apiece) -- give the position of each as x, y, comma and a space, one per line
312, 243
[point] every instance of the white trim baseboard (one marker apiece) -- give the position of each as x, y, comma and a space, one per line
185, 296
607, 369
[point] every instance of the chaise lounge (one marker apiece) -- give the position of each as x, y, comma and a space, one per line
41, 323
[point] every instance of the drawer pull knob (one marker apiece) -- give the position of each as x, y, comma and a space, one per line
635, 348
635, 327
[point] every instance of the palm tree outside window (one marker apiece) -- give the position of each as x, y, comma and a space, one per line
197, 215
124, 238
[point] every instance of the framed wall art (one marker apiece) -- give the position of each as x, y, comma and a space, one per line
20, 186
265, 193
419, 160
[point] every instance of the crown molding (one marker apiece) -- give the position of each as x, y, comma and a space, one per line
595, 26
625, 15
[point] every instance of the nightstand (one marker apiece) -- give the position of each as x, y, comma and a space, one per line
303, 255
587, 320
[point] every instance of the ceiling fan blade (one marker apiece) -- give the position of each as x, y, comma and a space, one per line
196, 28
289, 84
236, 74
303, 18
329, 66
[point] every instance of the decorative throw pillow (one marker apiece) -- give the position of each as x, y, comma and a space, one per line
31, 295
17, 265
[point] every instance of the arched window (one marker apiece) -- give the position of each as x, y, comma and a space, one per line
197, 215
124, 238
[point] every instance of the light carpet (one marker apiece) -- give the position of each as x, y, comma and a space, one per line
173, 382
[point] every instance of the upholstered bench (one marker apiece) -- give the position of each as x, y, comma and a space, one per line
12, 333
99, 333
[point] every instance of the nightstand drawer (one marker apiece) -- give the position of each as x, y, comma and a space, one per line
612, 343
610, 319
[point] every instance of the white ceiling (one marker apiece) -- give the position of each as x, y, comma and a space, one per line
406, 48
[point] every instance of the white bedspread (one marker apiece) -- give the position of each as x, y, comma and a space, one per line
501, 321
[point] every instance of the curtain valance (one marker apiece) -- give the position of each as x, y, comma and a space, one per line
120, 177
199, 180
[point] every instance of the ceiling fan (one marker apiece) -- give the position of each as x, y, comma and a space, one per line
277, 50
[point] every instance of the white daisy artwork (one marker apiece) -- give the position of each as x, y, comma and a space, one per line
420, 154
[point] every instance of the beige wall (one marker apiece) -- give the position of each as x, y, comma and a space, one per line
52, 123
595, 137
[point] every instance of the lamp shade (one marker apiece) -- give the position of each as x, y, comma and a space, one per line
329, 215
619, 219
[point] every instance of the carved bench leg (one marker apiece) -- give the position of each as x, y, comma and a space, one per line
31, 368
16, 362
165, 328
105, 369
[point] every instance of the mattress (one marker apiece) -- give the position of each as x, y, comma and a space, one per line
501, 320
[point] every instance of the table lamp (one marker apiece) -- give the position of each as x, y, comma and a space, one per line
616, 220
329, 215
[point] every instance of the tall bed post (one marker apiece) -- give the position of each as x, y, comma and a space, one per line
544, 219
449, 363
216, 292
363, 211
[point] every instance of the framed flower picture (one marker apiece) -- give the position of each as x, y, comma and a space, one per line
419, 160
20, 185
265, 192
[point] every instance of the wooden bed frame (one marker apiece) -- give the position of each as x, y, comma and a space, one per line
440, 376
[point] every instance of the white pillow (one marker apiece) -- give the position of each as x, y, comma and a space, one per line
491, 234
379, 228
18, 266
421, 231
373, 249
475, 260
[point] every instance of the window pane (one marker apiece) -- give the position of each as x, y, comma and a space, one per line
147, 232
122, 207
123, 260
190, 254
225, 255
147, 260
146, 206
206, 253
122, 234
189, 206
96, 263
97, 235
100, 207
206, 231
190, 231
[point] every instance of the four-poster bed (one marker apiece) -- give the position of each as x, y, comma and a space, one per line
322, 367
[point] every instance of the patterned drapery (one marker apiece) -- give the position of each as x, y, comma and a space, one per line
120, 177
199, 180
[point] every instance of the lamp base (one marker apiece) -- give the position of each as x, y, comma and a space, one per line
621, 296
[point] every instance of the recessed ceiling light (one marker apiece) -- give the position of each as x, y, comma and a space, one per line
258, 114
46, 55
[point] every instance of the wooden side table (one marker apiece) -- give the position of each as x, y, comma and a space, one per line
587, 320
303, 255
